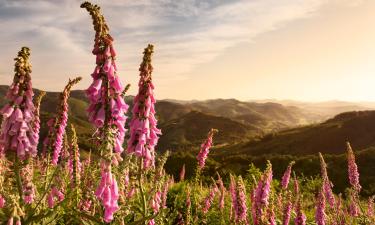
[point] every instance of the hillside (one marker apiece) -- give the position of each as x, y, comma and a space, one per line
190, 130
327, 137
185, 123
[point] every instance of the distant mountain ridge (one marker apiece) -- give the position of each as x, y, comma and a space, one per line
357, 127
185, 123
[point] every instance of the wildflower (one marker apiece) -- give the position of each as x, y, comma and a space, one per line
107, 192
352, 169
370, 207
164, 194
2, 201
205, 148
296, 185
57, 126
327, 185
241, 201
222, 193
54, 195
271, 216
107, 109
28, 188
300, 216
74, 163
143, 131
287, 211
353, 206
156, 202
209, 199
17, 132
36, 121
286, 176
188, 206
261, 194
320, 215
233, 193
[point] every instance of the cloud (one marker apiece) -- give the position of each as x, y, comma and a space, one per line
186, 33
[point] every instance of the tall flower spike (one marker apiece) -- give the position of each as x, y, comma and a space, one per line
233, 194
17, 133
320, 215
108, 192
287, 210
205, 148
300, 216
352, 169
143, 126
222, 193
271, 215
36, 121
74, 163
54, 140
241, 202
107, 109
370, 207
209, 199
327, 185
286, 177
28, 188
261, 195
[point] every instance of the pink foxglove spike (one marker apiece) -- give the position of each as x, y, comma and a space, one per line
17, 126
144, 133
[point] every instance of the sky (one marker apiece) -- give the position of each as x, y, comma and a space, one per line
308, 50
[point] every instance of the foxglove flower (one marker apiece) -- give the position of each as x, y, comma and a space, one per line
107, 192
155, 205
209, 199
188, 206
57, 125
320, 215
241, 202
28, 188
300, 216
352, 169
353, 205
327, 185
286, 177
2, 201
165, 194
260, 199
271, 216
107, 109
36, 121
222, 193
74, 163
233, 194
370, 207
144, 133
296, 185
54, 196
287, 211
17, 133
205, 149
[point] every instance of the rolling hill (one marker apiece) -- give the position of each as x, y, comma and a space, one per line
329, 137
185, 123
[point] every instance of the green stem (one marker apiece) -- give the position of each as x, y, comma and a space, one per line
143, 197
18, 177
